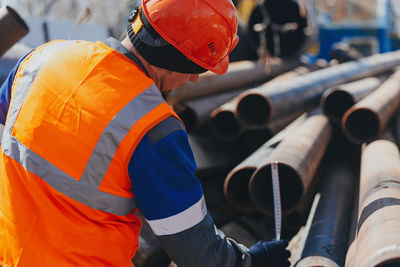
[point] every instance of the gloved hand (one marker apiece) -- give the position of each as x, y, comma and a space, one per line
270, 254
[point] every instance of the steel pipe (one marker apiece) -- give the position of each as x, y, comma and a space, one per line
237, 181
240, 74
298, 157
12, 28
265, 103
352, 245
327, 239
288, 28
337, 100
343, 52
366, 120
224, 121
195, 113
378, 235
212, 156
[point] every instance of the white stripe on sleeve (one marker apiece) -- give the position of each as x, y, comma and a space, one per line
181, 221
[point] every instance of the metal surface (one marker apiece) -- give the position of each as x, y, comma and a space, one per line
366, 120
12, 28
195, 113
337, 100
237, 181
327, 239
224, 121
240, 74
283, 28
213, 156
299, 155
343, 52
265, 103
378, 235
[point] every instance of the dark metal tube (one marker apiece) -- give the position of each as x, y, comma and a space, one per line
298, 157
211, 155
352, 245
264, 103
12, 28
224, 121
240, 74
378, 235
366, 120
337, 100
343, 52
327, 238
237, 181
195, 113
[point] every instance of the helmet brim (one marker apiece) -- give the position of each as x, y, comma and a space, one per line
222, 67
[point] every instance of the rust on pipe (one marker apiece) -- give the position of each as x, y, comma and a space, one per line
298, 157
337, 100
237, 181
240, 74
378, 235
12, 28
366, 120
327, 239
259, 105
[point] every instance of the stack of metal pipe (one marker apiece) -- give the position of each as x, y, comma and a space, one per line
293, 116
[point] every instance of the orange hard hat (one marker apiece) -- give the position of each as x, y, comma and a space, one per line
204, 31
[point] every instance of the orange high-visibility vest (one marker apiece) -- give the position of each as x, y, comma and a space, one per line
78, 110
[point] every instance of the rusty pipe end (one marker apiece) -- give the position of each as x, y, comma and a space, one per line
225, 125
236, 189
291, 187
336, 103
254, 110
361, 125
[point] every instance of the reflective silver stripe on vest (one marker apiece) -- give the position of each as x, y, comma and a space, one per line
30, 72
115, 131
64, 183
86, 189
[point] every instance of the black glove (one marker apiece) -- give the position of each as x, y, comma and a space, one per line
270, 254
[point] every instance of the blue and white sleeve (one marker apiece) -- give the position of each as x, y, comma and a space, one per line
170, 197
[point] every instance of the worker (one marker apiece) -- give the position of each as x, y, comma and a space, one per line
89, 140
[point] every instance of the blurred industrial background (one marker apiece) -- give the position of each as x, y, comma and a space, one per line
313, 85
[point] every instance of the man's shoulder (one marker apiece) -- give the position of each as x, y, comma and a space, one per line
165, 128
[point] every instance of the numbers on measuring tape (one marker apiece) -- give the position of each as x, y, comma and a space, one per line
277, 199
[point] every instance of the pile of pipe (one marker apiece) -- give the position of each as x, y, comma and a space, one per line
332, 129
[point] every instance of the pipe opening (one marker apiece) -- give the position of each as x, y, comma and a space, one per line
189, 118
336, 104
225, 125
362, 125
294, 219
253, 139
291, 188
391, 263
253, 110
236, 189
